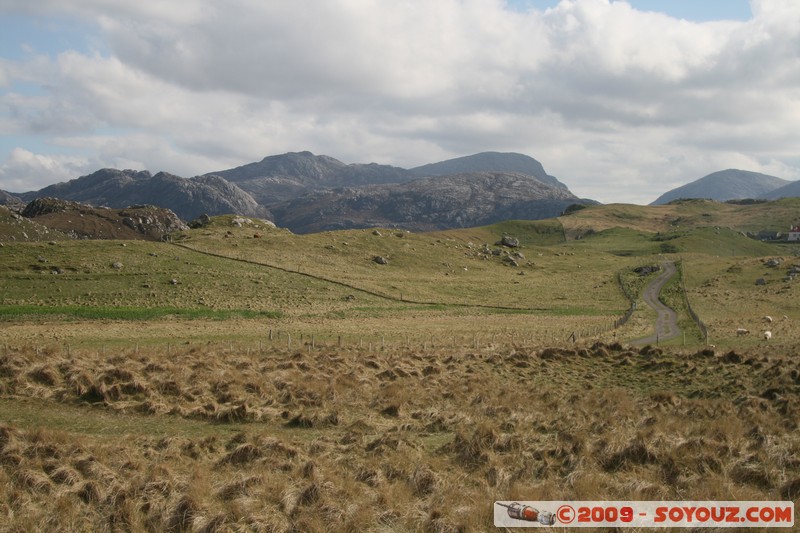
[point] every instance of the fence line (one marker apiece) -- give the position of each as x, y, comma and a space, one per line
695, 317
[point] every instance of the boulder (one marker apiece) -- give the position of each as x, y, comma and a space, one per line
201, 221
511, 242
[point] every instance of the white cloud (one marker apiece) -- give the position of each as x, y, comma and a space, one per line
23, 171
618, 103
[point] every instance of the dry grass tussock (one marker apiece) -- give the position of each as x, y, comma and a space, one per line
395, 441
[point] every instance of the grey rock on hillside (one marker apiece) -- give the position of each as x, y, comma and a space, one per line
188, 198
84, 221
278, 178
462, 200
7, 198
489, 162
725, 185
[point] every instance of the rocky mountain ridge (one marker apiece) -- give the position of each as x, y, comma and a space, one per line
187, 198
425, 204
306, 192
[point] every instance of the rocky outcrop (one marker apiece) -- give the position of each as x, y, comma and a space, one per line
489, 162
279, 178
87, 222
462, 200
7, 198
187, 198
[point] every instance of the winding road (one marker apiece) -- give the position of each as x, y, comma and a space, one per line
667, 321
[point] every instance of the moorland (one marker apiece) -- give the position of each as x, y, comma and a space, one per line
239, 377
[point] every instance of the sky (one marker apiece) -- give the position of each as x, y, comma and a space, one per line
622, 101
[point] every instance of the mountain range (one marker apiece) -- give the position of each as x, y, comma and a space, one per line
306, 193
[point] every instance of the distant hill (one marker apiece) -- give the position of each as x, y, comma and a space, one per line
8, 198
725, 185
453, 201
790, 190
489, 162
188, 198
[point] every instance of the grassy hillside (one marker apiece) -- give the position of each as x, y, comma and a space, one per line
454, 268
15, 228
458, 283
685, 214
245, 378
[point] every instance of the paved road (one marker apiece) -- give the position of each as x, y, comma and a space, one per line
667, 321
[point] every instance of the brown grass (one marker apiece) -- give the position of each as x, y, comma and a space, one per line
393, 440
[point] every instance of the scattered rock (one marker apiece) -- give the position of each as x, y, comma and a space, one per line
116, 265
201, 221
761, 281
173, 281
377, 233
646, 270
380, 260
511, 242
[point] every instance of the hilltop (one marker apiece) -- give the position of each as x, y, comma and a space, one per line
66, 219
188, 198
731, 184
